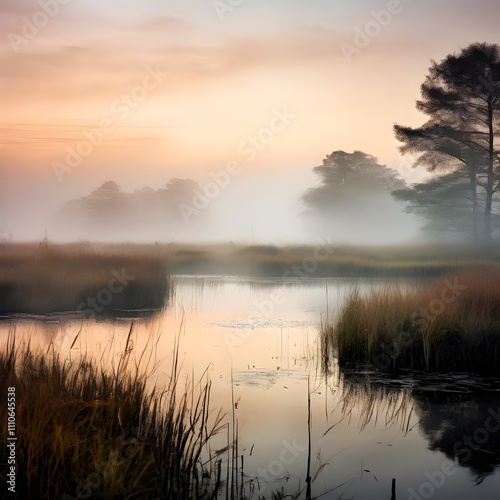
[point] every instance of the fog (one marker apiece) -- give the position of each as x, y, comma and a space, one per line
251, 208
156, 96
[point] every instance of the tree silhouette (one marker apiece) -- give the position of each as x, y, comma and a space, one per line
344, 175
461, 97
109, 209
445, 201
353, 197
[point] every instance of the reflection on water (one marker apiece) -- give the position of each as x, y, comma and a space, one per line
375, 401
457, 414
464, 428
258, 340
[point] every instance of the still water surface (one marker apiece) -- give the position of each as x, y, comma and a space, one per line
257, 341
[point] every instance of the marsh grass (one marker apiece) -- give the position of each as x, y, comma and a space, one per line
421, 328
265, 260
341, 261
101, 429
46, 279
87, 432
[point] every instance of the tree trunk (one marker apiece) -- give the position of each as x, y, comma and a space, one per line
490, 179
473, 186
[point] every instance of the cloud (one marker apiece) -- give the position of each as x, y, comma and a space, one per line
223, 77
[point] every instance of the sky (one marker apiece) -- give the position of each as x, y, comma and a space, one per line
143, 91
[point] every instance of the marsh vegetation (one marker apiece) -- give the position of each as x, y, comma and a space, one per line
134, 423
83, 279
449, 324
89, 431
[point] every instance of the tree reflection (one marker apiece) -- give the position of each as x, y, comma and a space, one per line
458, 415
463, 427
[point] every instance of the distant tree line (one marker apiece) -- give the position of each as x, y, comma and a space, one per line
147, 210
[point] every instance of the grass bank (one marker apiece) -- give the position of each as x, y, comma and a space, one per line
326, 260
293, 261
46, 279
450, 324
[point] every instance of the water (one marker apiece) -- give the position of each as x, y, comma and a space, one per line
256, 339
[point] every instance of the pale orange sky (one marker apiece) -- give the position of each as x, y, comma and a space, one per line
224, 80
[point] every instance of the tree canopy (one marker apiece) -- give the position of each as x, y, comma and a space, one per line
144, 211
353, 200
343, 175
461, 97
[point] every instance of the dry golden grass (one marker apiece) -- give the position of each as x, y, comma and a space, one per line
45, 279
268, 260
451, 324
84, 431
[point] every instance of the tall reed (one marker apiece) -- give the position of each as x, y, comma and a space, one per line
85, 432
450, 324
